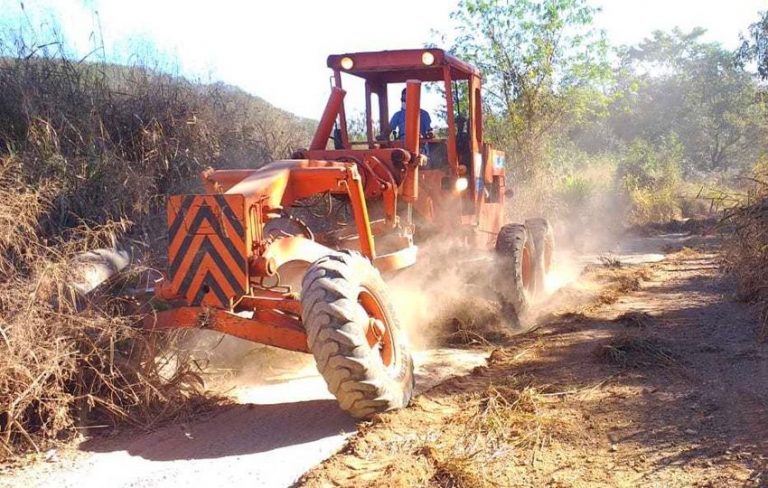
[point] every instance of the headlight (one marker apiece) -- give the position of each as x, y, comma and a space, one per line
347, 63
461, 184
427, 58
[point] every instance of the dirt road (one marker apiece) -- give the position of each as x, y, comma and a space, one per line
279, 429
659, 386
664, 385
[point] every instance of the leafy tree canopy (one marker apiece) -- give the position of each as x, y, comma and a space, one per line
543, 64
676, 84
754, 46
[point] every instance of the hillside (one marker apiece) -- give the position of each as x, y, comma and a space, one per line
112, 138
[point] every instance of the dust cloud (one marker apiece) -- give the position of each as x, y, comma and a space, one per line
449, 296
443, 302
240, 369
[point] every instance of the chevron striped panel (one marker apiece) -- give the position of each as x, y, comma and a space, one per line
207, 248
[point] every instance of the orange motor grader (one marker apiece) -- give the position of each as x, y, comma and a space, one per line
242, 260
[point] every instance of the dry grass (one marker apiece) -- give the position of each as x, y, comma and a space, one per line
746, 253
500, 422
620, 284
117, 138
476, 439
634, 319
610, 261
471, 321
87, 152
679, 253
629, 351
61, 370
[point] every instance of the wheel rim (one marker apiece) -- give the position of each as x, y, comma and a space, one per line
379, 331
527, 270
547, 256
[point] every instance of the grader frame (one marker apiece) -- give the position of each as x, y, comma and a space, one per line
225, 266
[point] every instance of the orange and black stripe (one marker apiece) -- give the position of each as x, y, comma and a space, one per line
207, 252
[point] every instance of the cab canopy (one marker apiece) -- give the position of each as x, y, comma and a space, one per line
458, 144
401, 65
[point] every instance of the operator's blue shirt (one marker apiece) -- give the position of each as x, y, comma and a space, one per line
398, 122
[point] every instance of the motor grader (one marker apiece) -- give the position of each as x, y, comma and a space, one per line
243, 261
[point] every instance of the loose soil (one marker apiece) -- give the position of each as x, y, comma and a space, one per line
659, 381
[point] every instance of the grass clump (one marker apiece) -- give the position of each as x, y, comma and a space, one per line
634, 319
472, 320
610, 261
637, 352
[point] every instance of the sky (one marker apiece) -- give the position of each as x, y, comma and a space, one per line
277, 49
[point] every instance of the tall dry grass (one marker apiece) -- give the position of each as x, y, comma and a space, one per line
62, 369
746, 249
87, 152
117, 138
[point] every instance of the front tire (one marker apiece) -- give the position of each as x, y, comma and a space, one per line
354, 335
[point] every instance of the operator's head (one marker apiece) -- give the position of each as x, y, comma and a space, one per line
402, 98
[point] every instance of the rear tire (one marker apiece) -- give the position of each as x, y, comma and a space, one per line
514, 277
540, 232
341, 293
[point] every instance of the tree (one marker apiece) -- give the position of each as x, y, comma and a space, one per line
543, 64
677, 85
754, 47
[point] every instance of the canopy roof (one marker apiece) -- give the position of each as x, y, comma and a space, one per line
402, 65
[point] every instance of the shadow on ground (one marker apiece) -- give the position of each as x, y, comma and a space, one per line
236, 430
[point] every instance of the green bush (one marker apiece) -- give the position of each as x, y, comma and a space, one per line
649, 176
651, 205
575, 191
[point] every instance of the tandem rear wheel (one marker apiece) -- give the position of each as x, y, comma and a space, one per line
525, 258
